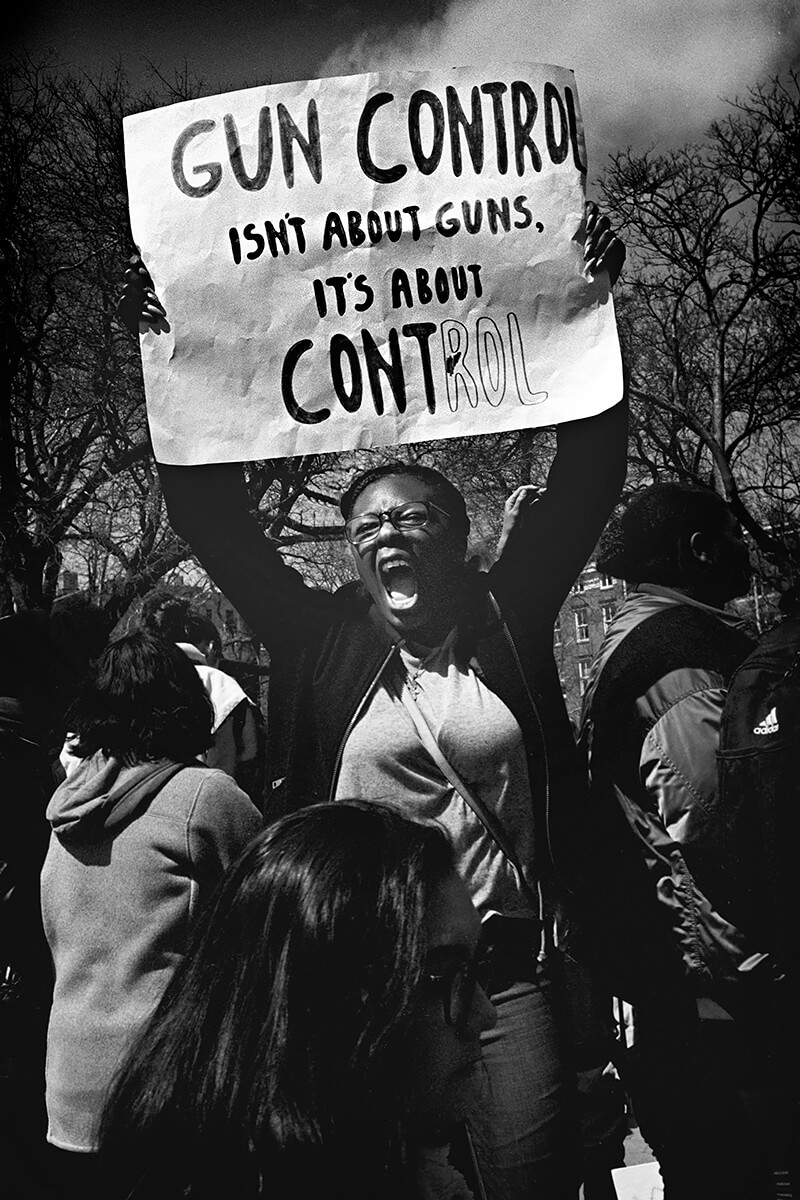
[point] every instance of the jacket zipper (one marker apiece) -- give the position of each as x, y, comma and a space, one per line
535, 710
337, 766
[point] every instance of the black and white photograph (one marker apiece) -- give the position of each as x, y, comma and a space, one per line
400, 600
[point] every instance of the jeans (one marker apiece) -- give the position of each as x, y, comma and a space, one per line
525, 1128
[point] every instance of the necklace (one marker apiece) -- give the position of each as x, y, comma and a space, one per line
414, 680
416, 667
414, 670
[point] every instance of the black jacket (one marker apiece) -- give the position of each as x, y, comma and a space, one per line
327, 653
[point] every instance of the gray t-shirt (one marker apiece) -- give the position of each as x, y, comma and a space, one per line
384, 759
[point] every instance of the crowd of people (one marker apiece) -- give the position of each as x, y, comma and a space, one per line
372, 951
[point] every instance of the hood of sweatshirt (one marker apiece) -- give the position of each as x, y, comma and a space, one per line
103, 793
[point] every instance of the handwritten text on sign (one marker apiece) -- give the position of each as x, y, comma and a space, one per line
368, 260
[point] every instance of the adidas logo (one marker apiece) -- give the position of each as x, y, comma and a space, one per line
769, 724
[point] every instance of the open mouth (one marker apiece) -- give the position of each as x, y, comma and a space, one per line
399, 581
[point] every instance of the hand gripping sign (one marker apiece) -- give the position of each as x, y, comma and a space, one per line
370, 260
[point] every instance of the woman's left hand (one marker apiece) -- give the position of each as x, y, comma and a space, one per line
514, 510
603, 250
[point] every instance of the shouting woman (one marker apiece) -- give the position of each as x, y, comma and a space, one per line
436, 686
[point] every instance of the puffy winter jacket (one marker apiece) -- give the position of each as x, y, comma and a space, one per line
650, 732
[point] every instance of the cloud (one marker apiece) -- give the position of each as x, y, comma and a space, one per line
647, 70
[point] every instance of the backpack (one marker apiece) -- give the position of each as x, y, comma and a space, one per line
759, 778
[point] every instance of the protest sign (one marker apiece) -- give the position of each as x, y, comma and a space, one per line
368, 260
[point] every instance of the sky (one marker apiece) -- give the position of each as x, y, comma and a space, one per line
648, 72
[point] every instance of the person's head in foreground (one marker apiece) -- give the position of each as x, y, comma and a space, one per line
407, 526
679, 537
323, 1027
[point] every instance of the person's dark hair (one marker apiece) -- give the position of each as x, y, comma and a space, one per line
648, 540
165, 615
446, 493
281, 1041
201, 629
144, 701
174, 618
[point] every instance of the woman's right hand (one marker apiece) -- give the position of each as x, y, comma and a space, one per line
139, 308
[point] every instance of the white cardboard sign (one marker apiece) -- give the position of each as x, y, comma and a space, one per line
369, 260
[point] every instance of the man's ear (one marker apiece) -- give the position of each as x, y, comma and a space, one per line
699, 545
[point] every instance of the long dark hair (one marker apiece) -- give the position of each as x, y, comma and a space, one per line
276, 1056
144, 701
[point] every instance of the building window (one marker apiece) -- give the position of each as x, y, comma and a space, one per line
584, 667
579, 585
582, 625
606, 581
608, 611
557, 632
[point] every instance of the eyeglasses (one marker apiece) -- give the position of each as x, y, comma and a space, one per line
415, 514
458, 984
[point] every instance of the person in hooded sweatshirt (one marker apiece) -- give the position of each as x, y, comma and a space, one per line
141, 832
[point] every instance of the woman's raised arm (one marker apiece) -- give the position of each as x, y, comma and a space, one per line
547, 544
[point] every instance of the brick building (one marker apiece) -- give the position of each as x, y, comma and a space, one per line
580, 628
